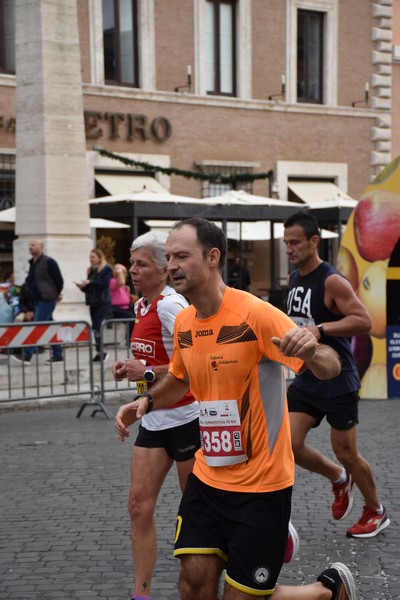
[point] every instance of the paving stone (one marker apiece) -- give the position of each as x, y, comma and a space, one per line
64, 528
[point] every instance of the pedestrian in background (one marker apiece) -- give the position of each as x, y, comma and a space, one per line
25, 308
239, 276
231, 348
121, 307
44, 283
323, 301
167, 435
96, 288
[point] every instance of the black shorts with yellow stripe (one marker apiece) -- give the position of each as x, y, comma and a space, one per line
249, 531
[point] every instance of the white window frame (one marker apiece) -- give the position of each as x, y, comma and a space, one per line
291, 169
147, 56
330, 58
243, 49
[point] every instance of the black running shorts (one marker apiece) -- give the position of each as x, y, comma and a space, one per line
247, 530
180, 442
341, 412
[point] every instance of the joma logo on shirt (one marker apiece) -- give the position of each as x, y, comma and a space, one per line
204, 333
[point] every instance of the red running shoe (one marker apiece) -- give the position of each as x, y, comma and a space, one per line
370, 524
293, 544
344, 498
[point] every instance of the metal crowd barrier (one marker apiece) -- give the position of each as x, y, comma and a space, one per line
76, 374
38, 379
115, 341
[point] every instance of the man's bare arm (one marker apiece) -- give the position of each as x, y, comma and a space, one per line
166, 392
325, 364
322, 360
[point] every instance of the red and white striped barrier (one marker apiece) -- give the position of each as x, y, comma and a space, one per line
41, 335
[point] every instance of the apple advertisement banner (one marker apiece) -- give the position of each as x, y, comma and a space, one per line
368, 243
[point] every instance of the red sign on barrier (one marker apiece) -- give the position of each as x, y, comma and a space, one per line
16, 336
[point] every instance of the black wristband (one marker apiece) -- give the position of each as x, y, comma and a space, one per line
321, 330
150, 401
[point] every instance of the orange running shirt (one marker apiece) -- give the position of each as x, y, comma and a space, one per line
230, 357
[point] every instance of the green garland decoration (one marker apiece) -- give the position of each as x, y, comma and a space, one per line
213, 177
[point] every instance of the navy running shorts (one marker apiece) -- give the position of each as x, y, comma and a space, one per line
341, 412
247, 530
180, 442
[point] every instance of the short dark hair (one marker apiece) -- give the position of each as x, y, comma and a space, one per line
209, 236
306, 221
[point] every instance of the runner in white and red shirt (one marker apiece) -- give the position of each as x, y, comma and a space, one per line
167, 435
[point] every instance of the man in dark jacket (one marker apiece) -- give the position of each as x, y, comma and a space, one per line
45, 283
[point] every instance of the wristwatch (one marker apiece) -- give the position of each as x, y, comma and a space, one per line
321, 330
150, 401
149, 375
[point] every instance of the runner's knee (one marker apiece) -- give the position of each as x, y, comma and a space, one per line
199, 577
347, 456
140, 508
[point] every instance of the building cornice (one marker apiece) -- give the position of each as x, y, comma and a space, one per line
228, 102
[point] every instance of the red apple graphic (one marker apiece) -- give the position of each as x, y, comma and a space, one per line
377, 224
361, 346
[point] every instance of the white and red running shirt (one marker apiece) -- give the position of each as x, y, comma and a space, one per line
152, 342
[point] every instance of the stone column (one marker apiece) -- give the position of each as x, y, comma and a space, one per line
51, 172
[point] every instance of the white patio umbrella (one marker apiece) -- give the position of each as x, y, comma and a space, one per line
9, 216
245, 199
106, 224
231, 197
246, 231
147, 196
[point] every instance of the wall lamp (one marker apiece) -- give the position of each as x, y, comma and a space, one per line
366, 96
282, 92
188, 84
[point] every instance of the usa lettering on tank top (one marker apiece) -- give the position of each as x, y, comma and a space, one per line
306, 306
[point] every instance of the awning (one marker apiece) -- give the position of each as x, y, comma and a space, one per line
118, 183
311, 192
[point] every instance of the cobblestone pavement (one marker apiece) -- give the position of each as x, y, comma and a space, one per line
64, 530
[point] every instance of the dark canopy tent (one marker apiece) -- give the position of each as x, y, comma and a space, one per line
236, 206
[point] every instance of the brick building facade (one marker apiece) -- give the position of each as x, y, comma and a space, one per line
303, 88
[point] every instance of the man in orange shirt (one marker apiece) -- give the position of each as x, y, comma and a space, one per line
233, 349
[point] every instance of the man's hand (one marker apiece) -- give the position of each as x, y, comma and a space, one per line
119, 370
298, 342
129, 414
134, 369
131, 369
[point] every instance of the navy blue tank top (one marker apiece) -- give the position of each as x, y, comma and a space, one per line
305, 305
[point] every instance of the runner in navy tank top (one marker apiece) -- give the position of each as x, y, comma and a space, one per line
322, 300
